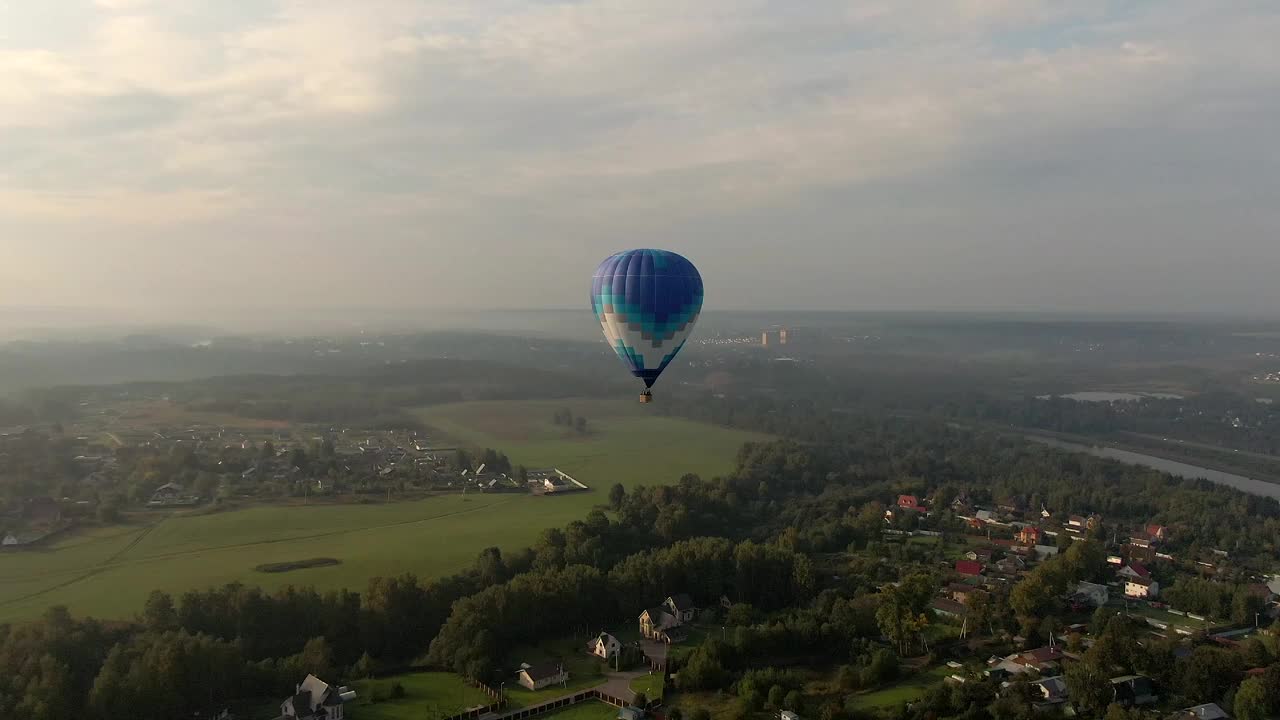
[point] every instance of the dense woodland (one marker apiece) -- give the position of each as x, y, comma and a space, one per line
763, 536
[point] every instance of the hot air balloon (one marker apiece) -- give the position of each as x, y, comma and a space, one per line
647, 302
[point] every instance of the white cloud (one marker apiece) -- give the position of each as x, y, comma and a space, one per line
322, 113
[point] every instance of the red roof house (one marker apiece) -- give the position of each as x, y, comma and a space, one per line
968, 567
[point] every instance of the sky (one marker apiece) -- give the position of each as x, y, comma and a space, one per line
172, 156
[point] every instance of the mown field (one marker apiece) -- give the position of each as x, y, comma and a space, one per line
108, 572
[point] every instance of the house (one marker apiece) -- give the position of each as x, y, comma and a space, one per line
1159, 533
1029, 535
1083, 524
1138, 553
949, 608
631, 712
536, 677
12, 540
788, 715
316, 699
1011, 565
1039, 660
1115, 560
910, 502
1134, 570
605, 646
1132, 690
1045, 551
961, 592
1208, 711
168, 492
982, 555
681, 606
969, 567
555, 483
659, 625
1141, 588
1052, 690
1092, 593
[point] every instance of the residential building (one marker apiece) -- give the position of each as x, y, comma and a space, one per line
1041, 660
1132, 690
949, 608
1029, 535
659, 625
1052, 691
1134, 570
1092, 593
605, 646
316, 700
1208, 711
1141, 588
681, 606
537, 677
1159, 533
969, 567
962, 592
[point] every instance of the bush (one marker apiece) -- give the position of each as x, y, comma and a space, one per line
700, 714
397, 691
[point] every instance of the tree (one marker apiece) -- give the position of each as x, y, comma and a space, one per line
1089, 684
580, 425
1207, 672
777, 695
365, 667
803, 578
700, 713
1251, 702
675, 714
617, 496
158, 613
901, 612
793, 701
641, 700
1116, 711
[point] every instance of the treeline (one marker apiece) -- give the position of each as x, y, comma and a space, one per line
753, 536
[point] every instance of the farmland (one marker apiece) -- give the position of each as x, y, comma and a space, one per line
108, 572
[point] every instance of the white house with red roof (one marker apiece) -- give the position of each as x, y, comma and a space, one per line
1134, 570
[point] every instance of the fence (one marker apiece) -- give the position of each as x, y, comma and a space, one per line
563, 702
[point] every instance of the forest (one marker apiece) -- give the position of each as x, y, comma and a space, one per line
781, 514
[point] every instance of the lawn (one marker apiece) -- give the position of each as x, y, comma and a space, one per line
651, 685
108, 573
427, 695
590, 710
905, 691
909, 689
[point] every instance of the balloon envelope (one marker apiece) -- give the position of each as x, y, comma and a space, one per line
647, 302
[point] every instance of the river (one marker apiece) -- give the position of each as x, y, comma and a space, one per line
1173, 467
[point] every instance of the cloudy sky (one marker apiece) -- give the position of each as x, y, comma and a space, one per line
1077, 155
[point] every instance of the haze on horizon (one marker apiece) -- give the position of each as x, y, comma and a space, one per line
172, 157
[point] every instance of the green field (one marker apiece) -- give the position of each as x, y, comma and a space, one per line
108, 572
426, 695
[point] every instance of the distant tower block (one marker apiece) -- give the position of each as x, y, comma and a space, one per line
782, 336
764, 338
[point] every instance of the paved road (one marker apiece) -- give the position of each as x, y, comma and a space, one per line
619, 684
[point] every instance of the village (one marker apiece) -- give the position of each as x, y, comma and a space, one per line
105, 475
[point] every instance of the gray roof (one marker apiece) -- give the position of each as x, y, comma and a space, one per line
681, 602
543, 670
